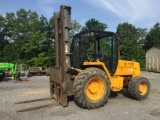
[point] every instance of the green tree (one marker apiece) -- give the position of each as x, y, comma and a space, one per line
93, 24
26, 38
153, 37
75, 27
142, 33
50, 28
131, 48
87, 41
6, 32
37, 50
2, 34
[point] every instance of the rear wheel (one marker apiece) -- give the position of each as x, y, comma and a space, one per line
139, 88
91, 88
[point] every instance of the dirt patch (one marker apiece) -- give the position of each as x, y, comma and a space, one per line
155, 112
21, 81
155, 91
63, 112
35, 92
7, 88
149, 77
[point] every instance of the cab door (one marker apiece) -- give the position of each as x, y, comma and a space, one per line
109, 45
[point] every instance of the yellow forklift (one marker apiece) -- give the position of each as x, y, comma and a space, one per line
89, 67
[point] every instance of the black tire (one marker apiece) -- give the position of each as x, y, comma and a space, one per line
134, 90
2, 76
81, 83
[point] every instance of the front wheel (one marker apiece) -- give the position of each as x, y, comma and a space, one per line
91, 88
139, 88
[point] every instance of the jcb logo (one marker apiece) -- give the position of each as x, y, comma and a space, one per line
130, 63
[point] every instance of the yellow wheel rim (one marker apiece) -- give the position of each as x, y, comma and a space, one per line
143, 88
95, 88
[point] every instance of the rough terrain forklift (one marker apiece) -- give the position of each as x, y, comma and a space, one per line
90, 68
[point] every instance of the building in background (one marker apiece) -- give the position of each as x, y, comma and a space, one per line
153, 59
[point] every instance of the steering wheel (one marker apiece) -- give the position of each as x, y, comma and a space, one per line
100, 56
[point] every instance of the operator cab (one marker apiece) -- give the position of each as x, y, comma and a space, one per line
95, 46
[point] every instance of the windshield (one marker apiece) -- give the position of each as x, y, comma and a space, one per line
95, 47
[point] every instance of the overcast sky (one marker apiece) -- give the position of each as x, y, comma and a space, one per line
141, 13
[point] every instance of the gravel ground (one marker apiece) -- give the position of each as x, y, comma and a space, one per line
117, 108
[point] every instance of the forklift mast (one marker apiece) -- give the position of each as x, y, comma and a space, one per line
59, 78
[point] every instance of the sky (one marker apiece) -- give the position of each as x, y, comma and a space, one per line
141, 13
